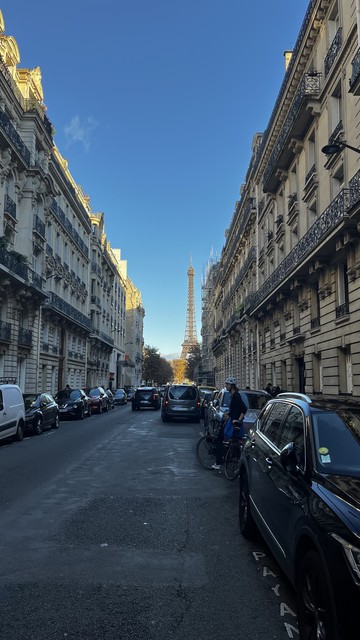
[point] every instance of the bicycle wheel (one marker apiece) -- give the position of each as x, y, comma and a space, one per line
206, 451
232, 461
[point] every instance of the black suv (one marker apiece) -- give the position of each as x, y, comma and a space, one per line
145, 398
300, 484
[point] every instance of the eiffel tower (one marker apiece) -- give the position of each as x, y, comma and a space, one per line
190, 339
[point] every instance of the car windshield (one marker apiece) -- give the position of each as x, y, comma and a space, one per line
182, 393
337, 442
120, 392
94, 393
68, 394
32, 401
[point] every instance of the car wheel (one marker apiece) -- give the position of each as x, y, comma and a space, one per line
89, 411
100, 409
82, 413
56, 424
38, 426
106, 408
246, 521
314, 608
19, 432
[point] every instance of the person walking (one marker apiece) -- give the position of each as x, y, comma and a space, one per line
237, 410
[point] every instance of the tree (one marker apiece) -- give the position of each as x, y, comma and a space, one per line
178, 367
193, 362
156, 370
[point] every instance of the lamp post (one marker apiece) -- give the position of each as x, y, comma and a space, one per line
335, 147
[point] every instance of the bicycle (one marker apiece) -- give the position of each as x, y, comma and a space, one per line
206, 453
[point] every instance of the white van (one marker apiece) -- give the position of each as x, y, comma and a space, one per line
12, 412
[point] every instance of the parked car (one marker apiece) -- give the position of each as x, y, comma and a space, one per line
99, 401
120, 397
12, 412
130, 392
206, 395
254, 399
181, 401
110, 395
41, 412
300, 486
146, 398
73, 403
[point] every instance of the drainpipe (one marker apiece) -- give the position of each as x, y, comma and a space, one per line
358, 21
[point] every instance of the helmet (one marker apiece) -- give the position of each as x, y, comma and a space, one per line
230, 380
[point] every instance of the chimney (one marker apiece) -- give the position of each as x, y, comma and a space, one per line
287, 56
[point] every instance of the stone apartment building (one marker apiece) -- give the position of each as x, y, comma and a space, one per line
62, 287
285, 307
134, 345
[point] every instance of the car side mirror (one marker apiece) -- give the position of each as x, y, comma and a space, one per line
288, 458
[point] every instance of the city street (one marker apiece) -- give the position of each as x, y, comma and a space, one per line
111, 530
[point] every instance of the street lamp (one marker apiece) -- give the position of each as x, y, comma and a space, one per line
335, 147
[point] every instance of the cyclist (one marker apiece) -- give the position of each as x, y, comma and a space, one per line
237, 410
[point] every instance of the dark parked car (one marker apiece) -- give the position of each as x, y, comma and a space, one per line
146, 398
110, 395
99, 401
206, 395
300, 485
130, 392
181, 401
120, 397
73, 403
254, 399
41, 412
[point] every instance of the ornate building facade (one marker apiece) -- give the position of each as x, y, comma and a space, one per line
287, 295
134, 344
62, 288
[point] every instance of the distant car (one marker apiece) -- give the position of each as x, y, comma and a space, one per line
300, 486
206, 395
146, 398
41, 412
254, 399
99, 401
130, 392
110, 395
120, 397
181, 401
73, 403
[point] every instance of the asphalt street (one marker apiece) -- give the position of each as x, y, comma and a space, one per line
111, 530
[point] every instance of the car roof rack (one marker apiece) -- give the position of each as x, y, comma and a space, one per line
294, 396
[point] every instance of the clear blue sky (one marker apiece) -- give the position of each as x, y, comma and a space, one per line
155, 104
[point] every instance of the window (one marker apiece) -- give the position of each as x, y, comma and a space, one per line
272, 420
345, 370
292, 430
315, 305
317, 373
342, 290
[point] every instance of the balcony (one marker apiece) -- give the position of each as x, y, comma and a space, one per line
14, 137
67, 310
333, 52
39, 227
5, 331
354, 81
296, 123
334, 214
9, 207
25, 338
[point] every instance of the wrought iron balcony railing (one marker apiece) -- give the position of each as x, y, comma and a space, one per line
5, 331
333, 51
13, 135
329, 219
67, 310
9, 206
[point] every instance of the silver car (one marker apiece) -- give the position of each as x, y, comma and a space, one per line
181, 401
254, 399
